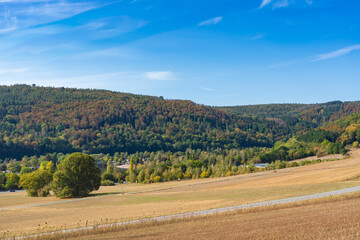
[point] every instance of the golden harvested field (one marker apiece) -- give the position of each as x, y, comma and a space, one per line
175, 197
339, 219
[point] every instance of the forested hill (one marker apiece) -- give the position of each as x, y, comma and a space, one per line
39, 120
299, 117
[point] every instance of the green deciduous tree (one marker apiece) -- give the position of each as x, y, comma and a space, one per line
25, 170
76, 176
14, 178
109, 168
35, 181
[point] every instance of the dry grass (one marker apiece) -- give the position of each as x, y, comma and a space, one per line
177, 197
330, 218
325, 157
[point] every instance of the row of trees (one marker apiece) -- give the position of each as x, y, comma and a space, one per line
147, 167
161, 165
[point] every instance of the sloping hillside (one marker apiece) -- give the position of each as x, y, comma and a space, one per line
299, 117
38, 120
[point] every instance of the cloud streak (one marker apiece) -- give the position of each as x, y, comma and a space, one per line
207, 89
13, 70
212, 21
281, 3
9, 22
28, 13
162, 76
336, 54
257, 36
320, 57
119, 52
265, 3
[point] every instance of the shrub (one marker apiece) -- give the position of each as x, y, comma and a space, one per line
157, 179
188, 175
107, 183
35, 181
45, 191
108, 176
204, 174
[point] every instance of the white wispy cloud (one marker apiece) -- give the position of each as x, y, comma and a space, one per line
110, 52
166, 75
275, 4
53, 11
319, 57
94, 77
9, 22
27, 13
13, 70
282, 3
129, 81
21, 1
212, 21
265, 3
207, 89
287, 63
112, 26
257, 36
335, 54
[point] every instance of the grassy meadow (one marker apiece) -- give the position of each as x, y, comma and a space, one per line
109, 204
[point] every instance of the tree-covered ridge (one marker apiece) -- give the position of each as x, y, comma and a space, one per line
38, 120
268, 110
345, 131
299, 117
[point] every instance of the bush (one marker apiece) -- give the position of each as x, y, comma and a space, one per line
35, 181
355, 144
293, 164
45, 191
108, 176
157, 179
107, 183
205, 174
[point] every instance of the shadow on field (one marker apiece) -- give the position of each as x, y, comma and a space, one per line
103, 194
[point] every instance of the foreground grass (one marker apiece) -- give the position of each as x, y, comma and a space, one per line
174, 197
329, 218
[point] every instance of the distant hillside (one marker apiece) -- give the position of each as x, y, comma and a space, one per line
38, 120
345, 130
299, 117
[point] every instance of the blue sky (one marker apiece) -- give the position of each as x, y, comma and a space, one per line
220, 52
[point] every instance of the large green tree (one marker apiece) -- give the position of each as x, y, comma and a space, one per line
76, 176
